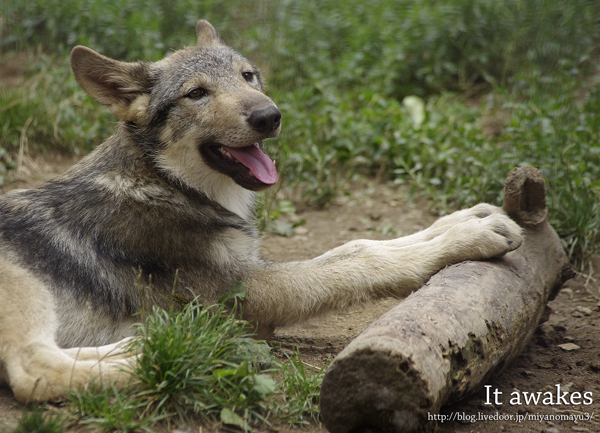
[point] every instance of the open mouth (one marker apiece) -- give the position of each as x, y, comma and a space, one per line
248, 166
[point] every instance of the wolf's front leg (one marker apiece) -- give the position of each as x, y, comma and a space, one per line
282, 293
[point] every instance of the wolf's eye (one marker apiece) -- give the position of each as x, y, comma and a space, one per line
197, 93
248, 76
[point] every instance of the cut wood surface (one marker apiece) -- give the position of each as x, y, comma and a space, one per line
448, 338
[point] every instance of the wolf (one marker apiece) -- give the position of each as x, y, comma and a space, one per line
168, 200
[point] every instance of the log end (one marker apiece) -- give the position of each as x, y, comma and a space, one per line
374, 391
525, 203
525, 197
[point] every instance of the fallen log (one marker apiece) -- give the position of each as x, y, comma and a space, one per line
447, 339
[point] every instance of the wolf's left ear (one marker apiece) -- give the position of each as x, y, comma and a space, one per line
206, 34
111, 82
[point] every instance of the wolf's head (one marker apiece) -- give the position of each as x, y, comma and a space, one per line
202, 111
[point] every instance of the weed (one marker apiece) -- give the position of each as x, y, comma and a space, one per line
301, 386
5, 164
199, 364
112, 410
190, 363
282, 220
34, 420
45, 112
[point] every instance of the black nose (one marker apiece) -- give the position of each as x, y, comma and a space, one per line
265, 120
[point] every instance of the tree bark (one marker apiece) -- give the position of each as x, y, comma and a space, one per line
447, 339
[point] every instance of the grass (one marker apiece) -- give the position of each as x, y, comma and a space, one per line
35, 420
111, 410
45, 114
301, 386
198, 365
191, 364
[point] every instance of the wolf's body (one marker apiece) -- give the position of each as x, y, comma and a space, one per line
166, 202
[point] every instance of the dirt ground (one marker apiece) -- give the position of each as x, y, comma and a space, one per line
374, 211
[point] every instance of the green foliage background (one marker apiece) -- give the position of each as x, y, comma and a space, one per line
339, 72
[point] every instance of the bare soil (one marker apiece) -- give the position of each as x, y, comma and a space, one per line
375, 211
575, 319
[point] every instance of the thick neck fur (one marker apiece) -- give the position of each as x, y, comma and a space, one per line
141, 163
145, 207
181, 164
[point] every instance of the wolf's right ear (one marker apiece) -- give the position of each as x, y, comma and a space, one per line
110, 82
206, 34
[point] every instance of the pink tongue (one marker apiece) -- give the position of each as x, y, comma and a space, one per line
255, 159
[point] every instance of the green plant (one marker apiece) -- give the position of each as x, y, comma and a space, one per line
301, 387
282, 220
5, 164
34, 420
111, 410
199, 364
190, 363
45, 113
394, 48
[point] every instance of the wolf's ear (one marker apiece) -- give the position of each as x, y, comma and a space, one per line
206, 35
110, 82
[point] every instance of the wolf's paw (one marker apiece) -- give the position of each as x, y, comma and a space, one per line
476, 212
492, 235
